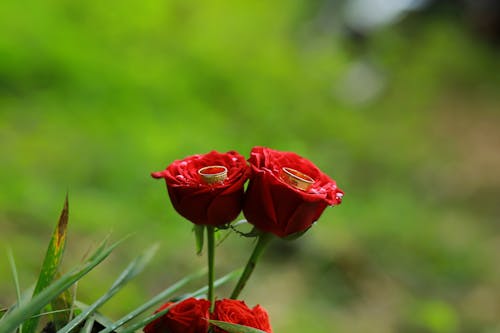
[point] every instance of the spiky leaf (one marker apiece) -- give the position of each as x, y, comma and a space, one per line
51, 262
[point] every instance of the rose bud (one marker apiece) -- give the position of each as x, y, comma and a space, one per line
286, 193
207, 189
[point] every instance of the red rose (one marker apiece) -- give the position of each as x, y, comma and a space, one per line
211, 201
188, 316
237, 312
286, 192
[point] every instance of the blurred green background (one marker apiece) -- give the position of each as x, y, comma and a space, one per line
398, 101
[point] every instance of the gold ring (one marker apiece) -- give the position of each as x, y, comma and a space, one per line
213, 174
296, 178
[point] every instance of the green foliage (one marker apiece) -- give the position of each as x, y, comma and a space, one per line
25, 314
25, 311
134, 268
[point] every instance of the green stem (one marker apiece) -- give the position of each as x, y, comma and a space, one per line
211, 273
263, 241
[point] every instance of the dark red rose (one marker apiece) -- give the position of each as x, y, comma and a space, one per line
214, 201
237, 312
286, 192
188, 316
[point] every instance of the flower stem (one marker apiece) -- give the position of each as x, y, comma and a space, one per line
211, 273
264, 239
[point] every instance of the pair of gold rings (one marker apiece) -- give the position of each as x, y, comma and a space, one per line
215, 174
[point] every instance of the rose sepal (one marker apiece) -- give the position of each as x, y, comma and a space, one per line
251, 234
296, 235
199, 230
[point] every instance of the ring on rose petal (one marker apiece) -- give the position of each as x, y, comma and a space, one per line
213, 174
296, 178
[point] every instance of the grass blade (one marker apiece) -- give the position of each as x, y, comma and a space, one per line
87, 328
134, 268
15, 276
165, 294
98, 317
51, 312
51, 262
25, 297
235, 328
3, 311
26, 310
154, 301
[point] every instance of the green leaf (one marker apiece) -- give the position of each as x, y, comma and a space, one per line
134, 268
51, 262
26, 310
198, 233
235, 328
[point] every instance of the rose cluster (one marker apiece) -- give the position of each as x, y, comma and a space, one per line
286, 193
191, 316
